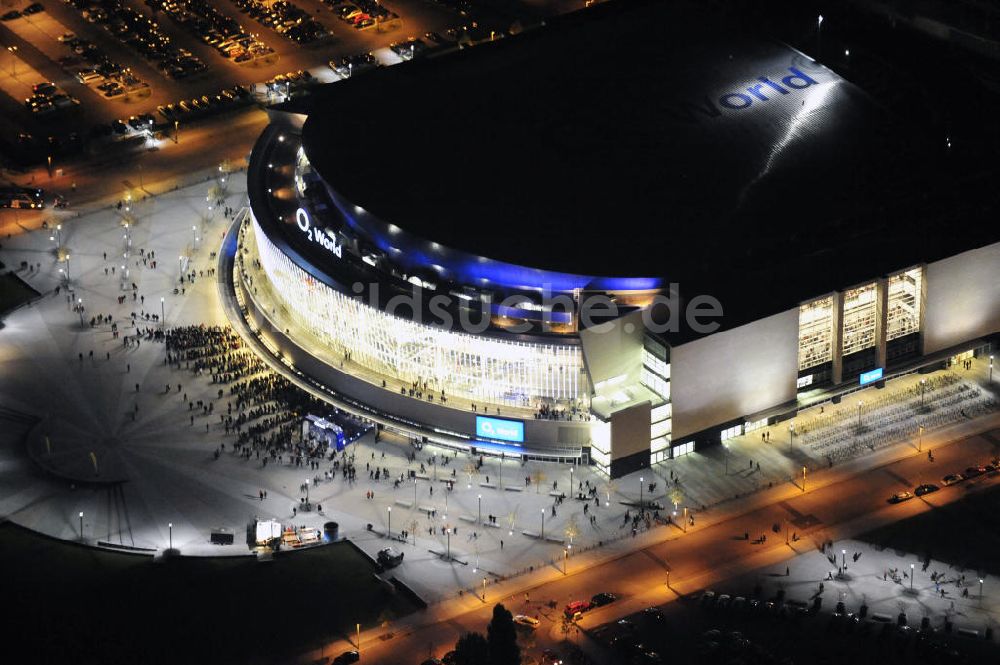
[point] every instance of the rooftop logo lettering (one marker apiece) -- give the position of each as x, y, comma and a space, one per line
763, 90
317, 235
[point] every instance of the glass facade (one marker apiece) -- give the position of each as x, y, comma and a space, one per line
483, 368
859, 318
815, 333
903, 317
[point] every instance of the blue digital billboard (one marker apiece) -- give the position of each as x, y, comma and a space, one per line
500, 428
873, 375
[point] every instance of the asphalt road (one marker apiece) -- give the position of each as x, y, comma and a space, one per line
702, 557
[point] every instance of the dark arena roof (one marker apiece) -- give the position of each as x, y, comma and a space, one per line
644, 139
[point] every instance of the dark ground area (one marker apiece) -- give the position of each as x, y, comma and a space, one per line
693, 631
965, 533
72, 604
14, 292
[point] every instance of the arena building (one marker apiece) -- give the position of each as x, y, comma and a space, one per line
553, 246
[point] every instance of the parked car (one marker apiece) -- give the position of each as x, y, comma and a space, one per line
33, 8
952, 478
390, 557
926, 488
346, 658
525, 621
577, 606
601, 599
900, 497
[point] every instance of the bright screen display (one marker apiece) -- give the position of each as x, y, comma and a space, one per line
873, 375
499, 428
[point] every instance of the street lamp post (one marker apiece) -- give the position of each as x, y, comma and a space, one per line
414, 491
641, 481
479, 499
177, 132
791, 436
980, 590
13, 60
194, 236
163, 316
388, 510
860, 404
685, 519
843, 559
484, 589
447, 533
79, 309
725, 447
81, 538
912, 575
923, 387
170, 529
991, 369
819, 34
307, 491
565, 556
920, 439
803, 478
500, 477
357, 633
543, 524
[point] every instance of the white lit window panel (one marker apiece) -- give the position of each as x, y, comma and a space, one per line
656, 383
730, 432
815, 333
903, 317
661, 412
655, 364
859, 318
683, 449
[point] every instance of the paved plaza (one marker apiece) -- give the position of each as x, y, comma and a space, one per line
97, 422
886, 580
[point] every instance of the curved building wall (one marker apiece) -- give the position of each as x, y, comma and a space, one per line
514, 372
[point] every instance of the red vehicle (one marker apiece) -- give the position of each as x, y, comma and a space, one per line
577, 606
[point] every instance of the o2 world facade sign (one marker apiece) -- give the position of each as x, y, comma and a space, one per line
317, 235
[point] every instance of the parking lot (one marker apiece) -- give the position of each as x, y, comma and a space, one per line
122, 58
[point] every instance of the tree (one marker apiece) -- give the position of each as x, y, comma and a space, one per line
572, 529
538, 477
471, 649
502, 638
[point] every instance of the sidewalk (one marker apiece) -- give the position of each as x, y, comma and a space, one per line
451, 609
705, 480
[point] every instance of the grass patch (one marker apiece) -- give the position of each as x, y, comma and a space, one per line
76, 604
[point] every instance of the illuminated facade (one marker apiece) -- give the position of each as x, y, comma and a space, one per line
488, 369
904, 303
